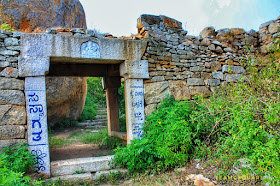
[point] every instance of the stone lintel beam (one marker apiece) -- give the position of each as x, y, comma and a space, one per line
74, 47
30, 66
135, 69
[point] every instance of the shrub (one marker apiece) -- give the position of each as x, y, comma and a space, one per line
15, 161
169, 140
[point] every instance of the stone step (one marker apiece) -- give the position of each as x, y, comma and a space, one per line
71, 166
88, 175
104, 116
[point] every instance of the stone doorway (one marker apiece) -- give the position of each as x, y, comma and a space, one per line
55, 55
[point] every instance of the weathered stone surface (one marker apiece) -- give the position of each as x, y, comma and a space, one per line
233, 69
195, 82
218, 75
212, 82
9, 72
200, 90
156, 92
150, 108
135, 69
33, 66
11, 84
215, 66
8, 52
179, 90
208, 32
91, 164
238, 31
12, 115
197, 69
11, 42
37, 15
5, 143
12, 132
15, 97
65, 97
232, 77
274, 27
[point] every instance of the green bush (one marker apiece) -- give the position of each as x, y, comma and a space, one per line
169, 140
15, 161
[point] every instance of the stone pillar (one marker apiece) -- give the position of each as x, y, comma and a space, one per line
35, 93
134, 73
134, 103
111, 84
34, 70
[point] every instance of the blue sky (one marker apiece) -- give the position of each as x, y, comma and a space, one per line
119, 17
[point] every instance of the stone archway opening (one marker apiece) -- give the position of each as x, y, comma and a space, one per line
56, 55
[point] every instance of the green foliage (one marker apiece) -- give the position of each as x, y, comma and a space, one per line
112, 178
6, 27
63, 124
102, 138
15, 161
90, 108
96, 91
169, 140
121, 99
58, 142
17, 158
95, 97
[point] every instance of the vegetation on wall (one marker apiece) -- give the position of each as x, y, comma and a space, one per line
240, 120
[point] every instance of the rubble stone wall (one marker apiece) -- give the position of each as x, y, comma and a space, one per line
184, 66
12, 99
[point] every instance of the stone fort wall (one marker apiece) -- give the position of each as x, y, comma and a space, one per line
183, 66
179, 64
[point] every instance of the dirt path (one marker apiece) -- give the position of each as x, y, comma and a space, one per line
75, 149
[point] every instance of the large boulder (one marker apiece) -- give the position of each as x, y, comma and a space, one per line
38, 15
65, 95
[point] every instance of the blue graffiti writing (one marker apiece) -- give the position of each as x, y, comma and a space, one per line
33, 98
37, 136
39, 156
136, 93
36, 108
138, 115
132, 86
137, 104
34, 122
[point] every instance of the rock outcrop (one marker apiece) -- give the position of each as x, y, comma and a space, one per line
38, 15
65, 95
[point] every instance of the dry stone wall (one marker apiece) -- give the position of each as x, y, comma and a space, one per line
184, 66
12, 100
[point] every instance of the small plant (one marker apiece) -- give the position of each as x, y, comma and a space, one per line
6, 27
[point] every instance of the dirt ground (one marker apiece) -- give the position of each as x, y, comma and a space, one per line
76, 149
